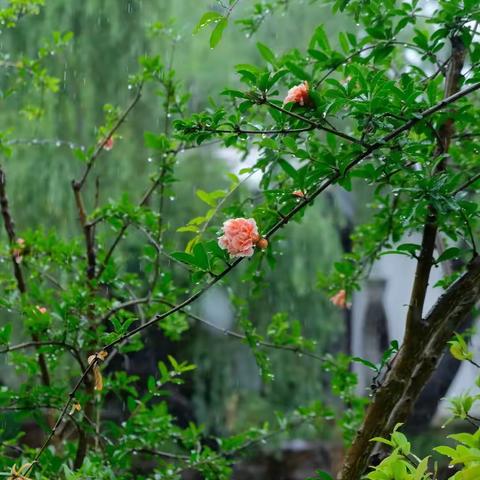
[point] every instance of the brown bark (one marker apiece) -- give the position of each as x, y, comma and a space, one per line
412, 367
17, 270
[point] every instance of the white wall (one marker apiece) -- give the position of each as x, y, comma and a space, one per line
398, 272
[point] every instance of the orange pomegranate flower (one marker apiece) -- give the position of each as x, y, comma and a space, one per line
239, 237
340, 299
298, 94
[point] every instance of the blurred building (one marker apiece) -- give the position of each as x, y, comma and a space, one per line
378, 316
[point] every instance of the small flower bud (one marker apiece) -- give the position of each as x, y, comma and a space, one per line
108, 145
262, 243
340, 299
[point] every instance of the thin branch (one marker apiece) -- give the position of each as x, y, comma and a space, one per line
162, 454
124, 227
52, 280
45, 142
194, 465
315, 125
239, 336
475, 364
63, 412
278, 131
122, 306
222, 202
386, 43
17, 270
10, 229
160, 249
74, 351
467, 135
248, 444
231, 8
98, 150
88, 232
467, 184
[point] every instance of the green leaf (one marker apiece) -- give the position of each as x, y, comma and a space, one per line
184, 258
409, 247
342, 37
447, 451
233, 93
207, 19
217, 33
156, 142
297, 71
321, 38
448, 254
346, 268
201, 256
188, 228
266, 53
367, 363
382, 440
288, 169
205, 197
209, 198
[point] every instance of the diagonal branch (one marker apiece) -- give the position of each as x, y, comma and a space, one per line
240, 336
17, 270
315, 125
467, 184
125, 226
410, 370
446, 317
98, 150
20, 346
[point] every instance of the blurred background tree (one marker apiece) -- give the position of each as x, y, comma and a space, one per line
227, 392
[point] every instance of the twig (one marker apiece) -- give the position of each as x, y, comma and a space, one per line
159, 453
239, 336
315, 125
98, 150
222, 202
467, 184
372, 47
124, 228
122, 306
278, 131
74, 351
45, 141
17, 270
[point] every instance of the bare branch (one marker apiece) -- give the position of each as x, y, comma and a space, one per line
17, 270
98, 150
36, 344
